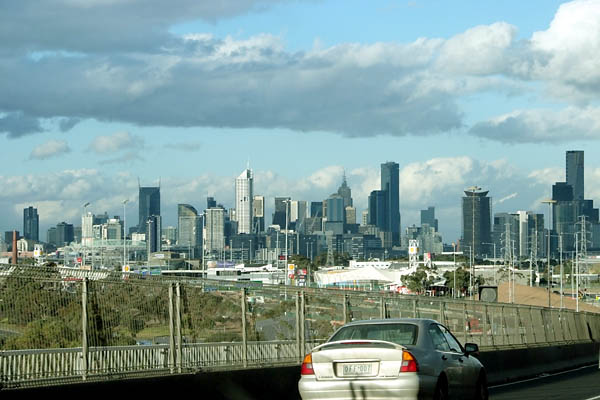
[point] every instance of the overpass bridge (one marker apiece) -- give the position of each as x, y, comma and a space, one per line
64, 326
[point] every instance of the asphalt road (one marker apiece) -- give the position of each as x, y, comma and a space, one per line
580, 384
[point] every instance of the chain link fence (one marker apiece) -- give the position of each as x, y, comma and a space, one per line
62, 325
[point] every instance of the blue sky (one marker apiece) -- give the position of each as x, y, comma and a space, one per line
458, 93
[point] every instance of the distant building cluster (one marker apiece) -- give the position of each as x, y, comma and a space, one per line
325, 228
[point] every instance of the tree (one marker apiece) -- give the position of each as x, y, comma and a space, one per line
419, 280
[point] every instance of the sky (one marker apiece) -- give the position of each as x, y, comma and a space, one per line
97, 96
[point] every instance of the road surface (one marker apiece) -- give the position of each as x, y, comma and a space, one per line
579, 384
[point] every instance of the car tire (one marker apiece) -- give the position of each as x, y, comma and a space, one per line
441, 389
481, 390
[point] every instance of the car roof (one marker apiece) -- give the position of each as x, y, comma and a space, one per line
416, 321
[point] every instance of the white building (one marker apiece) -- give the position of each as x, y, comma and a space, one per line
243, 201
215, 229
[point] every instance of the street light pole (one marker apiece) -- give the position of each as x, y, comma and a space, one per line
125, 232
287, 275
83, 239
454, 279
549, 280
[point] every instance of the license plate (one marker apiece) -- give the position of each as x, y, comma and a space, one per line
357, 369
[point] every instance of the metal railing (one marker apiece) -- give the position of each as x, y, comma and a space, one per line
60, 326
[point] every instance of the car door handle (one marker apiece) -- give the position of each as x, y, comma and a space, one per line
460, 359
444, 358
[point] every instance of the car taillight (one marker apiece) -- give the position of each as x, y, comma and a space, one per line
409, 363
307, 368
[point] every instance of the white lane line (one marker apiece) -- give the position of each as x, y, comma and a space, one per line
593, 398
544, 377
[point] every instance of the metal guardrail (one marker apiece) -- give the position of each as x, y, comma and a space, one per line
86, 325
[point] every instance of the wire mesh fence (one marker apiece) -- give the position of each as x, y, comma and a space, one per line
62, 325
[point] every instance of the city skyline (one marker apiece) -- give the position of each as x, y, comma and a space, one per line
458, 94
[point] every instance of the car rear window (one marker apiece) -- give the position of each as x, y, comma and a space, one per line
403, 334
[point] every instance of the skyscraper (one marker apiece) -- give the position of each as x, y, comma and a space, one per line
345, 192
31, 224
575, 176
390, 183
189, 229
281, 210
428, 217
215, 229
476, 221
153, 234
149, 205
258, 214
243, 201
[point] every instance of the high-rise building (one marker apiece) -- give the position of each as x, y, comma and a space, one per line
149, 205
350, 215
244, 195
575, 176
64, 234
258, 214
31, 224
316, 209
345, 192
153, 234
378, 209
476, 221
298, 214
215, 229
281, 211
87, 229
428, 217
211, 202
390, 183
189, 228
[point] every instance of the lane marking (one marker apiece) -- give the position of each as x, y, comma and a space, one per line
544, 376
593, 398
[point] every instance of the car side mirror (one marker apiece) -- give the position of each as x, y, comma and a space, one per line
471, 348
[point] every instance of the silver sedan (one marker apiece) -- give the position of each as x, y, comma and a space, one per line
393, 359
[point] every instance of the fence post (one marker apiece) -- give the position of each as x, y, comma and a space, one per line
298, 352
302, 324
171, 331
244, 336
484, 334
178, 322
84, 328
382, 307
345, 301
465, 322
415, 311
442, 316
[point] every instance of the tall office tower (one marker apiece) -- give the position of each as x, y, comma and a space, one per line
211, 202
428, 217
378, 209
350, 215
258, 214
51, 236
153, 234
64, 234
87, 229
215, 229
345, 192
316, 209
298, 214
244, 194
335, 208
365, 218
149, 205
31, 224
476, 229
575, 176
189, 228
279, 216
390, 183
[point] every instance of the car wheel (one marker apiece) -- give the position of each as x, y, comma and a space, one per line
481, 392
441, 389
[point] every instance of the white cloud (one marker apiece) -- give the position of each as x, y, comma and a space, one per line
542, 125
116, 142
52, 148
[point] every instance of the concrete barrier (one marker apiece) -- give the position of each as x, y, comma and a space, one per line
278, 383
504, 365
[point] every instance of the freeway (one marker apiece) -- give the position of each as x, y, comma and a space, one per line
579, 384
